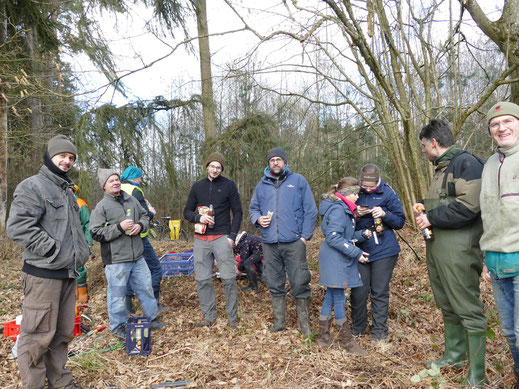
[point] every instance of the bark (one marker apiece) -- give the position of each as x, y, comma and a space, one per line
3, 129
504, 32
205, 69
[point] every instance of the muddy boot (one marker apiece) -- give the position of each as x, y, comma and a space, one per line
477, 342
455, 346
279, 310
324, 339
347, 341
303, 315
253, 279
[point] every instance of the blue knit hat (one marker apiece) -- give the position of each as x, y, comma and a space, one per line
131, 173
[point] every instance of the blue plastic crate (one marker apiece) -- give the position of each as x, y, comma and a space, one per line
173, 265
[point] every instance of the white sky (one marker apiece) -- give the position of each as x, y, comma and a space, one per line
134, 47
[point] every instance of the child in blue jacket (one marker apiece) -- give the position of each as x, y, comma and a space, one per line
338, 258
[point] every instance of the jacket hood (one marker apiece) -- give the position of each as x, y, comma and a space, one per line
285, 173
331, 201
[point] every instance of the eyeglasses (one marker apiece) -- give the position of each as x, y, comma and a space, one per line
214, 167
507, 123
276, 160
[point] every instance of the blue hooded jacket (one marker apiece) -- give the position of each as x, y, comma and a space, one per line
385, 198
338, 256
291, 201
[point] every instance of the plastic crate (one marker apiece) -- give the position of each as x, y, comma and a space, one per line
173, 265
138, 336
12, 330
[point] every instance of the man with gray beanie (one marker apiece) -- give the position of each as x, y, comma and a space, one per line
284, 208
214, 238
499, 201
44, 220
116, 223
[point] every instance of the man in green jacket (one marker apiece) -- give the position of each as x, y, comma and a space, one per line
454, 260
499, 204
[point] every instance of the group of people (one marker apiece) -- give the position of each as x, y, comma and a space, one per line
470, 208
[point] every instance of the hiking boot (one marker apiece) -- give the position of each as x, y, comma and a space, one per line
156, 324
205, 323
347, 341
233, 325
120, 332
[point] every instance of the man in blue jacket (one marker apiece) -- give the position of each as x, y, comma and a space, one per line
284, 207
376, 199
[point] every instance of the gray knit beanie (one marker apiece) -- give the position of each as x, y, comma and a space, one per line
60, 144
277, 152
104, 174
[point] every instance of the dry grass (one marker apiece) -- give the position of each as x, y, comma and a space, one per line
252, 357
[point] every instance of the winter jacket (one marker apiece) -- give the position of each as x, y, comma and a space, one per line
499, 205
338, 255
116, 245
500, 201
386, 198
463, 185
223, 194
293, 205
44, 220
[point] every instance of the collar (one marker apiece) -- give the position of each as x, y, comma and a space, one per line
447, 156
508, 150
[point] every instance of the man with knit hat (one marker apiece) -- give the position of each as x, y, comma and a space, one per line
454, 259
116, 222
131, 181
499, 201
283, 206
44, 220
215, 239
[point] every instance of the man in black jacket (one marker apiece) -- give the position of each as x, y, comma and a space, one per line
215, 239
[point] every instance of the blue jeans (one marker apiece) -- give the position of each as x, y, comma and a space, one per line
506, 294
336, 299
290, 259
154, 265
138, 276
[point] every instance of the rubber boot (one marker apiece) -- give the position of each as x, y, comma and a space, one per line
130, 309
324, 339
347, 341
303, 315
455, 346
279, 310
81, 294
253, 279
477, 342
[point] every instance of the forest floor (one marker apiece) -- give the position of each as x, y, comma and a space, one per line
251, 356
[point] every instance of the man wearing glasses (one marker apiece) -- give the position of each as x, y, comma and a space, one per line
284, 208
215, 241
499, 204
454, 259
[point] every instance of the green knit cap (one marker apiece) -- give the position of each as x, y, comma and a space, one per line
503, 108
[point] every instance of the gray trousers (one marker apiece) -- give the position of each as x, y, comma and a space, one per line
279, 258
47, 327
205, 253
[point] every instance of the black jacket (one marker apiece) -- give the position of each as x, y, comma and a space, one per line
223, 194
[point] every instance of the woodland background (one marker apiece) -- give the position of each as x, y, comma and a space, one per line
337, 83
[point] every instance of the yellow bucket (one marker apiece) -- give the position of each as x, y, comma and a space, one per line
174, 229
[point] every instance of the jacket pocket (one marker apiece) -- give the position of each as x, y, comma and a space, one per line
36, 317
55, 209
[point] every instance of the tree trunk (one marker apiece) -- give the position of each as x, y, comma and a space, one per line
205, 69
3, 130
